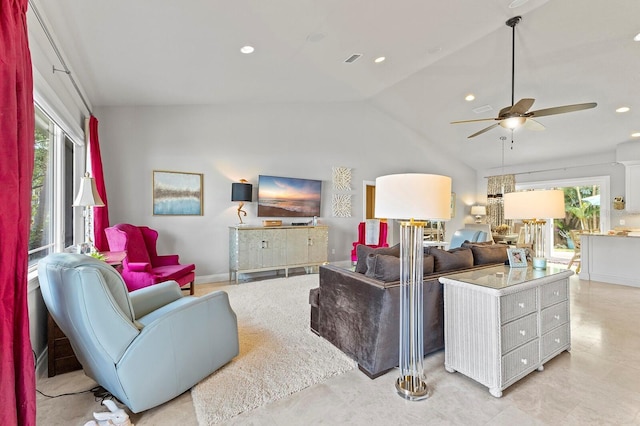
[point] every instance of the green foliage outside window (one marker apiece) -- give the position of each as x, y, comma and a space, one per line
40, 215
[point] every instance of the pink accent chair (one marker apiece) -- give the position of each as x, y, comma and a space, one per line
142, 266
382, 240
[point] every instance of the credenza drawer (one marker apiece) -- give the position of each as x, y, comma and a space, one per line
555, 340
518, 304
554, 316
520, 360
553, 293
519, 332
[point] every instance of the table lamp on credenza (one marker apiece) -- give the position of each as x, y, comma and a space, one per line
242, 192
534, 208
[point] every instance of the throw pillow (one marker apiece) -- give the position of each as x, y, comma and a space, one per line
387, 268
427, 264
363, 251
383, 267
483, 255
448, 260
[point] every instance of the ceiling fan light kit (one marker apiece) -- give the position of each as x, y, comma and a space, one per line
512, 122
517, 114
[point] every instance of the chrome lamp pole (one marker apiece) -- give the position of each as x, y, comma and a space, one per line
427, 197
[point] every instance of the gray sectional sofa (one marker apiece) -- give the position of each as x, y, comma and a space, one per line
358, 311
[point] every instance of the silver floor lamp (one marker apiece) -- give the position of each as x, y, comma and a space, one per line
412, 196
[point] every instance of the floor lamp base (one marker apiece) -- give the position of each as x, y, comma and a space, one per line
412, 388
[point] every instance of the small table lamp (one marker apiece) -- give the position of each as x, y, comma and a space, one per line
88, 197
478, 212
534, 207
412, 196
241, 191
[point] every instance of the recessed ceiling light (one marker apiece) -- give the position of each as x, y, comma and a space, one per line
637, 37
622, 109
315, 37
247, 49
379, 59
635, 135
517, 3
469, 97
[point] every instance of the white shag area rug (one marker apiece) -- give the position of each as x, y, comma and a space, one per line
279, 355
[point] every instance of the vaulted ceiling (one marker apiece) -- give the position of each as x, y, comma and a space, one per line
166, 52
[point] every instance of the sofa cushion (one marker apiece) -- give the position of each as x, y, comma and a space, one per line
468, 243
387, 268
363, 251
448, 260
484, 254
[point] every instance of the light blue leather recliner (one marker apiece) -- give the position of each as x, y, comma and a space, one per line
467, 234
145, 347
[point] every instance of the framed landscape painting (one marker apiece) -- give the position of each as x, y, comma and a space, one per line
177, 193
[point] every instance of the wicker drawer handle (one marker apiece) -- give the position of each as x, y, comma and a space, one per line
523, 332
521, 304
557, 317
556, 293
557, 340
524, 361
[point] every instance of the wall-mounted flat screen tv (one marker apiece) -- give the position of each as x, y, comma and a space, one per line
288, 197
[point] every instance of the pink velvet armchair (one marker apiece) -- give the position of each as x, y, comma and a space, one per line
142, 266
381, 241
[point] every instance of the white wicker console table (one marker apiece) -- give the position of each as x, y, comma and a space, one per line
502, 323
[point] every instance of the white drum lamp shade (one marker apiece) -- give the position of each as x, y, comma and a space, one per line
541, 204
421, 197
413, 196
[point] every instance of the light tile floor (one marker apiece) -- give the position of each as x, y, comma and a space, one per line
597, 383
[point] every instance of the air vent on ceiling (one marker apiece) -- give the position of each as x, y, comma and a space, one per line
482, 109
353, 58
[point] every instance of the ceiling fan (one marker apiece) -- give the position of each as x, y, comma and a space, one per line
518, 113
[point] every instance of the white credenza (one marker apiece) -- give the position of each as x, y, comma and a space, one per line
502, 323
255, 249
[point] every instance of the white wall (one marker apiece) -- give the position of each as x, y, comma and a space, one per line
230, 142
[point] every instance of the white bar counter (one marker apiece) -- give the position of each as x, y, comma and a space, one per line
611, 259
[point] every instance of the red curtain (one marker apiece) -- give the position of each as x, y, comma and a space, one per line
100, 214
17, 370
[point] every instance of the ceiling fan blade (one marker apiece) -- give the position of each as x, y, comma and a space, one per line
522, 106
532, 124
473, 121
486, 129
562, 109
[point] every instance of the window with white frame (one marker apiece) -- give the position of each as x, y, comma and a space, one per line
51, 190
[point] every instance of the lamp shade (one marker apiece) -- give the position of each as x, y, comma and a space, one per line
241, 191
543, 204
413, 196
88, 195
478, 210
